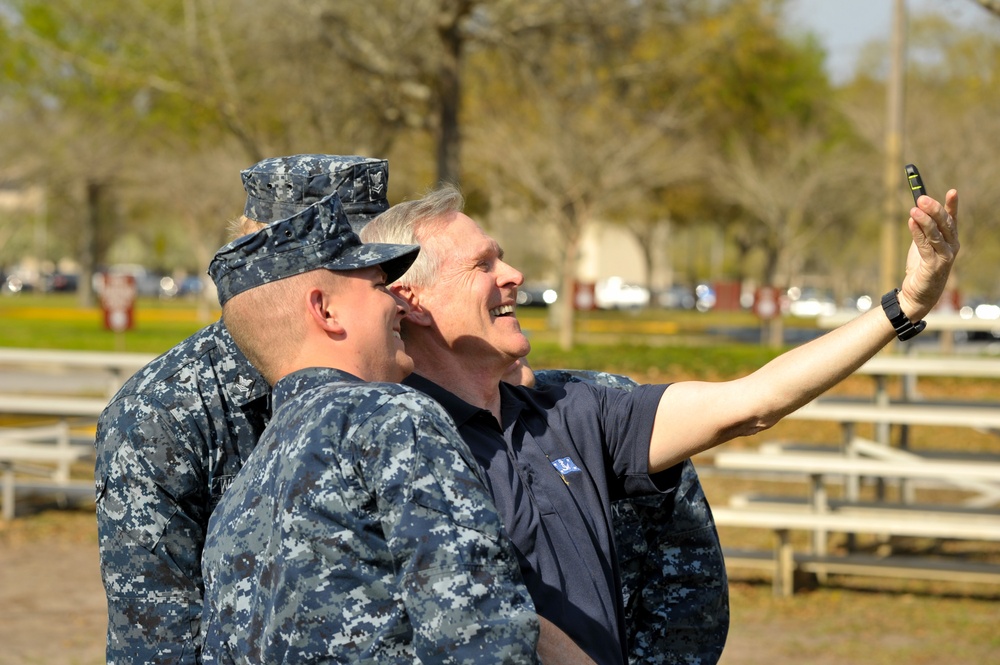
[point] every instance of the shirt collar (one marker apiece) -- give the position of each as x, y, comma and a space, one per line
459, 410
511, 403
305, 379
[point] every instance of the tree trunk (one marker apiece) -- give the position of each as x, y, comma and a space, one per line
774, 330
566, 302
88, 248
449, 148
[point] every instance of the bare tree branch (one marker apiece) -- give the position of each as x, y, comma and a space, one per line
990, 5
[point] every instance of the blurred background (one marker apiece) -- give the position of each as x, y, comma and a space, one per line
640, 154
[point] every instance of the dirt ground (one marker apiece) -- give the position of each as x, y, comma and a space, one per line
52, 608
52, 611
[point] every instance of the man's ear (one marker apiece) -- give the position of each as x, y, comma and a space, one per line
323, 312
416, 314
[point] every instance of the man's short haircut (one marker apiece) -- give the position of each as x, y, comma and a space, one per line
267, 322
412, 222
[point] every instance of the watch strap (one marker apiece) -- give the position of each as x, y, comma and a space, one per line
905, 329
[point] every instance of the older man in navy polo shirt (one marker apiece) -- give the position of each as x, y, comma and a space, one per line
555, 458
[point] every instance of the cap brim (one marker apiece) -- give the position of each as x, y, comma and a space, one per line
395, 260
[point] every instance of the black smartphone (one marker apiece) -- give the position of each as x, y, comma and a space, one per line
916, 184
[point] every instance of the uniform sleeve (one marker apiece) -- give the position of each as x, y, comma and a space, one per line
460, 581
674, 576
150, 517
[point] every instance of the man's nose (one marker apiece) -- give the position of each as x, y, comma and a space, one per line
509, 275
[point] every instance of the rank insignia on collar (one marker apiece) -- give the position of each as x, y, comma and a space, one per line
244, 385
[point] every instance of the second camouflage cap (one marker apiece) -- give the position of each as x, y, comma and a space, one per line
279, 187
317, 237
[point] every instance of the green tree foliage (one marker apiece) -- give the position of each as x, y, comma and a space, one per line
122, 93
952, 116
577, 138
953, 99
562, 112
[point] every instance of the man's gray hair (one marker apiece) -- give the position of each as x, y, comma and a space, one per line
411, 223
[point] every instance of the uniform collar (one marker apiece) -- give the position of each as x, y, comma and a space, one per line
306, 379
241, 381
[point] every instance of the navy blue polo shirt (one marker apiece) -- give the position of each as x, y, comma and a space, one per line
559, 458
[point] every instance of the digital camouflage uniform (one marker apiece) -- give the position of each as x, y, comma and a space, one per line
168, 445
361, 531
177, 432
673, 573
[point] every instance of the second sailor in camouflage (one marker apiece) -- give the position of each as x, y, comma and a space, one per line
172, 439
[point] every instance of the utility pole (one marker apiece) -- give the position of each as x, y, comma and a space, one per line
893, 173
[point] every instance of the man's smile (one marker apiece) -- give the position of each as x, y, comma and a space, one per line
502, 310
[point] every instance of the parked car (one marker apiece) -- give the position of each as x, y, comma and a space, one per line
616, 293
191, 285
61, 282
678, 296
983, 312
810, 302
704, 297
147, 282
14, 284
536, 295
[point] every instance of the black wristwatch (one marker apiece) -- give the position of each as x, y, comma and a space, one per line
905, 329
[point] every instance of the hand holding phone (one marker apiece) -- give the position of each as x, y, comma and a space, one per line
916, 184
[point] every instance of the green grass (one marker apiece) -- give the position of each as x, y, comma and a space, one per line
58, 322
655, 362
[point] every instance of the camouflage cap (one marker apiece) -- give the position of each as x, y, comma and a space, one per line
318, 237
279, 187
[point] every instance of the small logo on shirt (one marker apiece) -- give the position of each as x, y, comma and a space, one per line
565, 466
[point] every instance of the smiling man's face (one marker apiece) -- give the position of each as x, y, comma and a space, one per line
371, 315
473, 299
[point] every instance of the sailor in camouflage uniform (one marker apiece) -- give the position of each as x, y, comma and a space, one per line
171, 440
673, 573
359, 529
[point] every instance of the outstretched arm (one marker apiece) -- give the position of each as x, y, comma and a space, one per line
695, 416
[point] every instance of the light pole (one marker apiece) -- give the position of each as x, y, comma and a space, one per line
893, 171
